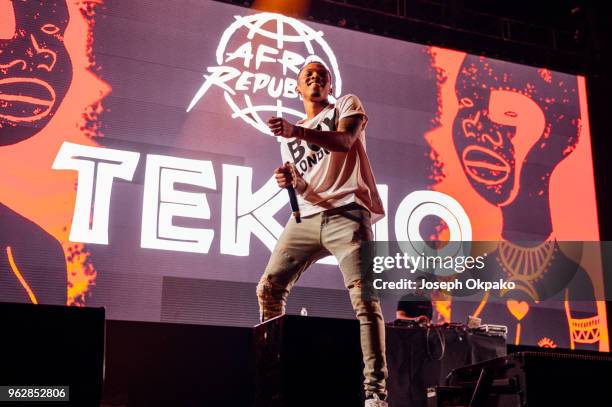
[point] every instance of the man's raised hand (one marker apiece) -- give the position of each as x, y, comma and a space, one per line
287, 176
281, 127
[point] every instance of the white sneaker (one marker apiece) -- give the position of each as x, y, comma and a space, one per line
376, 402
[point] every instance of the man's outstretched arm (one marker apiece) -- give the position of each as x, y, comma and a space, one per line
340, 140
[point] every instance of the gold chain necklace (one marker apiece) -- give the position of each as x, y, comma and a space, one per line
526, 265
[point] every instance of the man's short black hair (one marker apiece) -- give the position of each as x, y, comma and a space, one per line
315, 61
415, 305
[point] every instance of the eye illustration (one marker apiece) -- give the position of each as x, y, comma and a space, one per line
50, 29
466, 102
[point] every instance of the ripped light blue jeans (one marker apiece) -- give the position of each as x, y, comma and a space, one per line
338, 232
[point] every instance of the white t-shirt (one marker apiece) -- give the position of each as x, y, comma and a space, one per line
334, 178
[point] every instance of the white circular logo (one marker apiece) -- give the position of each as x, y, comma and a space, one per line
258, 59
419, 204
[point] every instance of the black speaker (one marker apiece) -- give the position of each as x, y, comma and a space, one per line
49, 345
531, 379
308, 361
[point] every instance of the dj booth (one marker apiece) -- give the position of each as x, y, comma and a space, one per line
420, 358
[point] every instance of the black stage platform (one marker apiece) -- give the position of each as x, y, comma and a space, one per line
163, 364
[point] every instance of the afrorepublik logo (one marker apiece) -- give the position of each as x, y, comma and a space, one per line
258, 59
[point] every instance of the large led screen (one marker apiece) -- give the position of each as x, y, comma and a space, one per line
136, 166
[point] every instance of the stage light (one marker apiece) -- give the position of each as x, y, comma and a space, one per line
290, 8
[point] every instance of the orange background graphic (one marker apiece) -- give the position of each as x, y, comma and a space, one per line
29, 186
572, 187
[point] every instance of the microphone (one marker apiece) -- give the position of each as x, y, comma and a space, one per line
295, 208
294, 204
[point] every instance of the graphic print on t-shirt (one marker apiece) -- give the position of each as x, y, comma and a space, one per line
308, 155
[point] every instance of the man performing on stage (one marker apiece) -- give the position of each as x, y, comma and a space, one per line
326, 163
